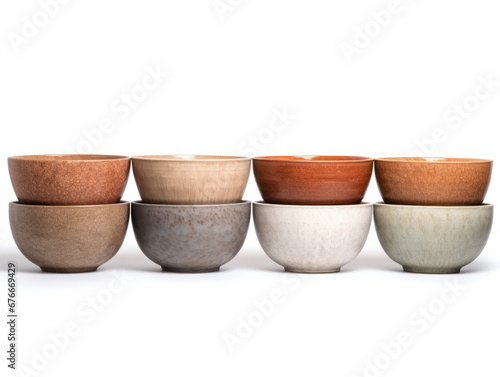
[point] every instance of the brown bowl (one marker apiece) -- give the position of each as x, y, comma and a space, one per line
69, 238
76, 179
188, 179
313, 180
433, 181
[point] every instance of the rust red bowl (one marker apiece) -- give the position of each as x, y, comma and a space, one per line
313, 180
433, 181
69, 179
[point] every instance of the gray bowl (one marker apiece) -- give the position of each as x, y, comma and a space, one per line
431, 239
191, 238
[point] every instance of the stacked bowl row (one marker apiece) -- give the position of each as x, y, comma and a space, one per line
433, 219
69, 217
312, 219
191, 217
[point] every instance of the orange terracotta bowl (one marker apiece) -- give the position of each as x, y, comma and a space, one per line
313, 180
433, 181
69, 179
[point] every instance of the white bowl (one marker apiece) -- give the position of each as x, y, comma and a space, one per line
312, 239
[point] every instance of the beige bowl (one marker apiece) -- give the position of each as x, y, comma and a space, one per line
187, 179
69, 238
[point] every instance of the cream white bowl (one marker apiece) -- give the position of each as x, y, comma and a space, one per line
312, 239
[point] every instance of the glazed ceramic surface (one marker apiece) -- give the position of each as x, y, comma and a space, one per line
69, 238
191, 238
432, 239
312, 239
433, 180
191, 179
312, 180
69, 179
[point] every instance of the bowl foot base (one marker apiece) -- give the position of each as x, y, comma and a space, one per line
299, 271
189, 270
68, 270
430, 270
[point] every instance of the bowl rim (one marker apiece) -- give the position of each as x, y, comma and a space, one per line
308, 159
434, 160
120, 203
264, 204
482, 205
240, 203
81, 158
189, 158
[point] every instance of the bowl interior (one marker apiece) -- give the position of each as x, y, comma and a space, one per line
187, 157
314, 158
432, 207
69, 157
433, 160
223, 205
69, 207
298, 207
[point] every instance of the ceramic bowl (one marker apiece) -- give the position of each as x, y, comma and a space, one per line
190, 238
433, 181
312, 180
69, 179
432, 239
184, 179
69, 238
312, 239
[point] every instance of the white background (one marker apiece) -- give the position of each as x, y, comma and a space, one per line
226, 77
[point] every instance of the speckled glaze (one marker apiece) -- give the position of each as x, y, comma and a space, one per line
69, 238
312, 239
433, 180
191, 238
312, 180
431, 239
69, 179
186, 179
